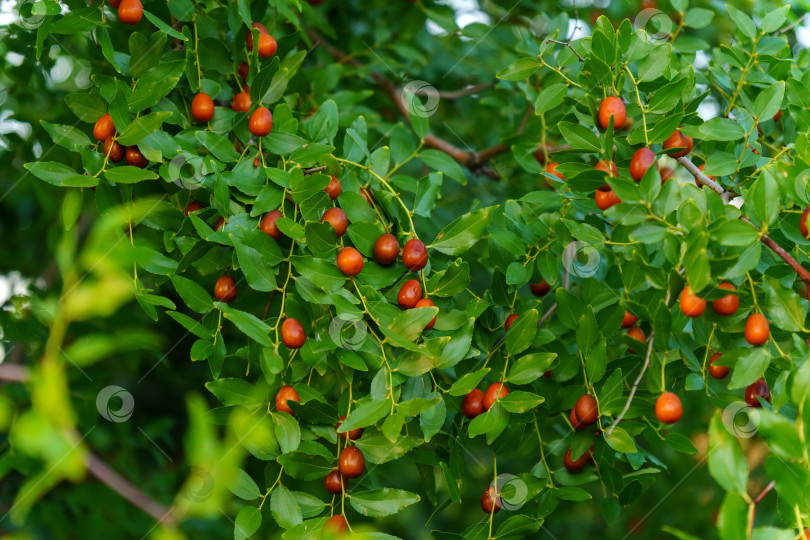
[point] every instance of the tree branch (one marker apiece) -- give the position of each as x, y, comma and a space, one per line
475, 89
127, 490
14, 373
755, 503
97, 467
618, 419
471, 160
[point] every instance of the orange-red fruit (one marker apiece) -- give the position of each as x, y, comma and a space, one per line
691, 305
193, 206
540, 289
414, 255
574, 420
803, 223
718, 372
551, 168
678, 140
334, 188
113, 150
225, 289
642, 160
268, 224
261, 122
776, 118
286, 393
608, 167
605, 198
267, 46
427, 302
509, 320
352, 434
756, 389
333, 482
495, 392
337, 219
637, 334
243, 71
697, 182
728, 304
220, 223
386, 249
249, 38
202, 108
135, 158
292, 333
666, 173
757, 329
104, 128
351, 462
349, 261
628, 320
409, 294
668, 408
574, 466
130, 11
241, 102
335, 525
473, 404
490, 501
612, 106
114, 3
586, 410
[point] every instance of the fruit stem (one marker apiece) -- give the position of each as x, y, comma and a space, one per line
197, 55
635, 384
542, 452
743, 75
640, 106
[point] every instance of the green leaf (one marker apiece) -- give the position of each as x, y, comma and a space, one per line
722, 129
579, 137
655, 64
727, 464
127, 174
467, 382
51, 171
232, 391
769, 100
749, 367
322, 273
519, 401
285, 508
530, 367
443, 163
783, 305
743, 21
365, 415
519, 70
195, 297
521, 333
143, 126
774, 19
550, 98
244, 486
463, 232
621, 441
382, 501
67, 136
248, 323
248, 521
257, 271
287, 432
